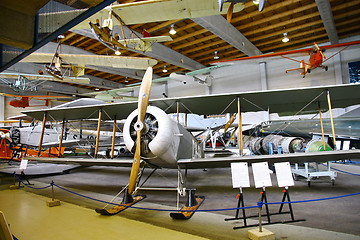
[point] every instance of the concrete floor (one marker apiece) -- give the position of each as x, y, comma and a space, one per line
340, 216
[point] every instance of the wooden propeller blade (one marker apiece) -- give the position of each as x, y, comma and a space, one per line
135, 165
143, 102
319, 49
230, 12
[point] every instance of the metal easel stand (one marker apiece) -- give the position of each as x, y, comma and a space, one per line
263, 201
310, 172
241, 204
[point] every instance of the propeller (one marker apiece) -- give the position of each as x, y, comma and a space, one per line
230, 12
319, 49
143, 101
261, 5
5, 136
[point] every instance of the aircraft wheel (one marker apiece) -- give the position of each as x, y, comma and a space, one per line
309, 183
309, 70
326, 68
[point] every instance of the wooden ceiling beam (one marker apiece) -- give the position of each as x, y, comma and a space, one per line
68, 36
85, 42
93, 45
78, 39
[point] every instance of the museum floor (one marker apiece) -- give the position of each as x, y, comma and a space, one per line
30, 218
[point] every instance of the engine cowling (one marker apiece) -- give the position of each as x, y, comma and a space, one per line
160, 138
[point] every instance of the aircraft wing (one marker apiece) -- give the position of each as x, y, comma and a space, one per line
291, 54
45, 78
278, 101
85, 161
157, 11
95, 60
145, 39
218, 162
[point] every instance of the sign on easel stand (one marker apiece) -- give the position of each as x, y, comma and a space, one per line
240, 179
261, 175
283, 174
285, 179
23, 164
240, 175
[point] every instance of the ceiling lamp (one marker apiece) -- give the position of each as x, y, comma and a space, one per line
285, 39
117, 52
172, 30
216, 55
165, 70
256, 2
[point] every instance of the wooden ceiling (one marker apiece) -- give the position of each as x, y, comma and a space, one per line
301, 20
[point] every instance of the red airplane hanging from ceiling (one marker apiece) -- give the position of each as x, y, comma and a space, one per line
316, 60
24, 101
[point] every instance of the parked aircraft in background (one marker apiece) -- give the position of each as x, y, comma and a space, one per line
202, 76
316, 59
24, 101
159, 142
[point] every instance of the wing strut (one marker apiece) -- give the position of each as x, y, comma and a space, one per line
240, 137
61, 137
98, 133
331, 119
113, 139
42, 133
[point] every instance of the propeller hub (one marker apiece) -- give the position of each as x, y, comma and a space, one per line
138, 126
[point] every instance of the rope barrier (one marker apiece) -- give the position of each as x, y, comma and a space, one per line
259, 204
354, 174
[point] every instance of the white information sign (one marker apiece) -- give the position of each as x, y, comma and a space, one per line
283, 174
23, 164
261, 174
240, 175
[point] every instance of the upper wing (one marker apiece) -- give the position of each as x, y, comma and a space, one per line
158, 11
274, 100
218, 162
95, 60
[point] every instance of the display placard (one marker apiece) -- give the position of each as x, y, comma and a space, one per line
23, 164
283, 174
261, 174
240, 175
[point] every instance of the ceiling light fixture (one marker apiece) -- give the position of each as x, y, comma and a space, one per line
165, 70
172, 29
285, 39
256, 2
216, 55
117, 52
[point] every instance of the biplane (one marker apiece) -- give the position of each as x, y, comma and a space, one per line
70, 66
157, 141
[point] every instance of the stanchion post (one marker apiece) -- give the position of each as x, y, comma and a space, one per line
53, 202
